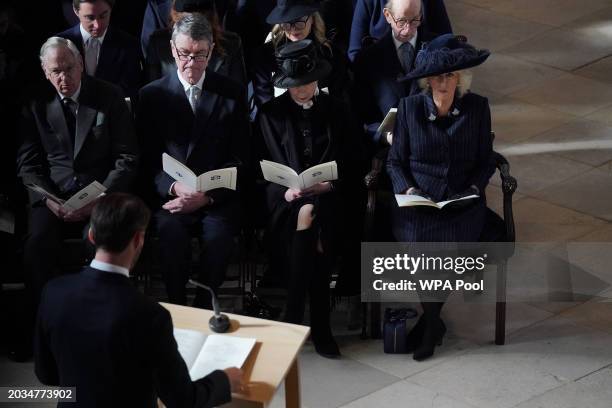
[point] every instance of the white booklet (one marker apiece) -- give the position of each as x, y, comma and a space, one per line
221, 178
77, 201
388, 122
411, 200
204, 354
286, 176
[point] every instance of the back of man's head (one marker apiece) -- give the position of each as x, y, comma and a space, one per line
115, 219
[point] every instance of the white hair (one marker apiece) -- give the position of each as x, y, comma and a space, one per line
58, 42
463, 85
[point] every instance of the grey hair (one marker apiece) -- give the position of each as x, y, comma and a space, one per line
463, 85
389, 4
59, 42
195, 26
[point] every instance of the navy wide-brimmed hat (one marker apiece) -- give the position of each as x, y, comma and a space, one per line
189, 6
446, 53
299, 64
289, 10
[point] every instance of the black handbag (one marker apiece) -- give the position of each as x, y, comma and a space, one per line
395, 330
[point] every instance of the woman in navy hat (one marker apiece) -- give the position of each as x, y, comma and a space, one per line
296, 20
300, 129
442, 149
227, 56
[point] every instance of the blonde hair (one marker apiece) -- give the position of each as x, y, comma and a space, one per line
464, 83
317, 29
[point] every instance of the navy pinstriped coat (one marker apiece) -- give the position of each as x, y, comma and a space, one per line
442, 157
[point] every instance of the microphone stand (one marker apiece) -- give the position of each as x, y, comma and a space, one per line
219, 323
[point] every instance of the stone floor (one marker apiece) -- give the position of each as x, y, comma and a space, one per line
549, 81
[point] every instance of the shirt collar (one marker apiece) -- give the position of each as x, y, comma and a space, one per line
398, 43
74, 97
86, 36
106, 267
187, 85
431, 111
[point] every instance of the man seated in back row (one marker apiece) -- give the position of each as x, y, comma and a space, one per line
98, 333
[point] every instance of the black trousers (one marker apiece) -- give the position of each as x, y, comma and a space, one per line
42, 250
175, 232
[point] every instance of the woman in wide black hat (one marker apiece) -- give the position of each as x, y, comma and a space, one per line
295, 20
442, 149
302, 128
227, 56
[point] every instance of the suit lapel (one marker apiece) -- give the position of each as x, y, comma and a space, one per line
392, 66
287, 132
108, 53
85, 116
57, 120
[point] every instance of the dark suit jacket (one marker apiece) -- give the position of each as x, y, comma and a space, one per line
120, 59
215, 137
105, 147
377, 88
95, 331
155, 18
369, 21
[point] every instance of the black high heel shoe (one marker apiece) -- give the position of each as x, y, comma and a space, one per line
432, 337
415, 336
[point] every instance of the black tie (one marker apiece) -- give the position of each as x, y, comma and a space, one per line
69, 113
406, 56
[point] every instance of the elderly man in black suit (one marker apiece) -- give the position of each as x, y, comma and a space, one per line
75, 132
378, 67
198, 117
126, 356
108, 53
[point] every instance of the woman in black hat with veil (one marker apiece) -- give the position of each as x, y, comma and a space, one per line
442, 149
296, 20
300, 129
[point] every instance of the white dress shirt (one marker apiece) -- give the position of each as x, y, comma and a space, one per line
187, 85
398, 44
106, 267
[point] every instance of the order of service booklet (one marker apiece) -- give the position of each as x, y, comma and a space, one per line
220, 178
204, 353
411, 200
286, 176
388, 122
77, 201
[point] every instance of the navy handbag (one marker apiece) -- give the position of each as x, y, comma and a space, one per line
395, 330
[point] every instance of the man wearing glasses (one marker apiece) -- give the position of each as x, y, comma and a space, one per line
378, 67
199, 118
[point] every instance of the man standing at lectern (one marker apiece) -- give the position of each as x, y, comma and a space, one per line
98, 333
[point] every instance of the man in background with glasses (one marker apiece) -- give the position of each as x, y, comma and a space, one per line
199, 118
378, 67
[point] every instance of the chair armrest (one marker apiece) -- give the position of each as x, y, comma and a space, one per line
509, 186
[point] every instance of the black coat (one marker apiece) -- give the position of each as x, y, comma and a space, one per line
105, 147
344, 145
441, 157
376, 88
95, 331
214, 137
264, 65
120, 60
230, 63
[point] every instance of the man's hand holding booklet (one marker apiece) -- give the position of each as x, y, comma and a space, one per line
220, 178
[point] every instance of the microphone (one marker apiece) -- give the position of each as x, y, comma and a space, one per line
219, 323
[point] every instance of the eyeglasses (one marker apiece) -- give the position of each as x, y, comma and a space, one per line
68, 71
199, 57
295, 24
402, 23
